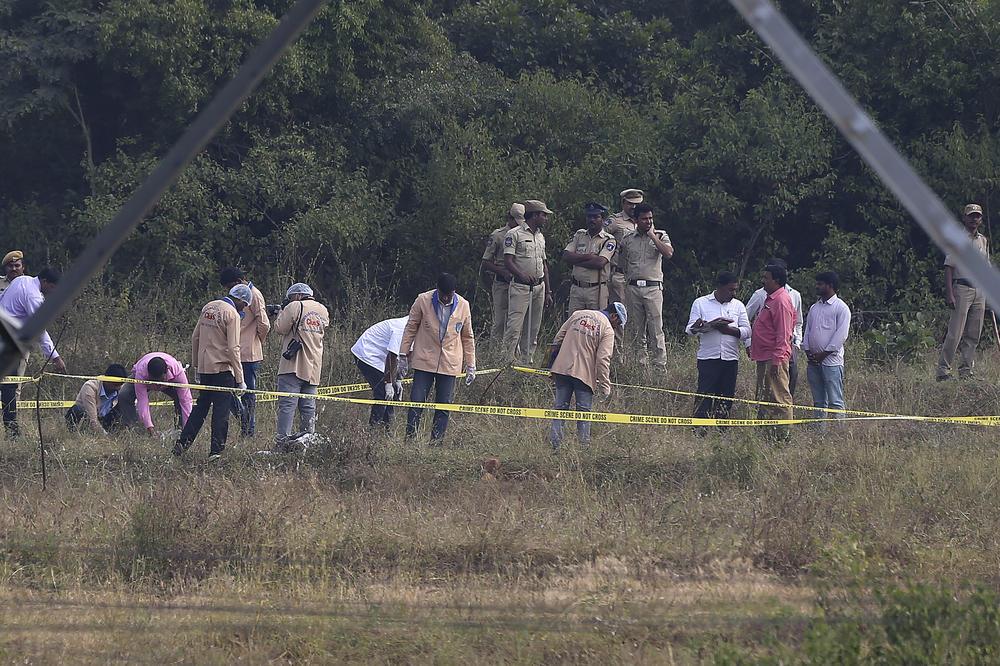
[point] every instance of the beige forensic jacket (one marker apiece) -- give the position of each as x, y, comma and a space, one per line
587, 340
305, 321
254, 328
89, 398
430, 352
215, 343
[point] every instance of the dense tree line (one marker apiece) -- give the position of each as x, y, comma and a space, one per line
390, 140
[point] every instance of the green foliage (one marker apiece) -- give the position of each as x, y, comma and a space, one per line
906, 340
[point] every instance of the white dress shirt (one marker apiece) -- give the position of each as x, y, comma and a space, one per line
21, 300
714, 343
756, 302
826, 329
378, 340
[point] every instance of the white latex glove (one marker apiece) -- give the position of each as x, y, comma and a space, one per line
242, 386
390, 391
403, 366
398, 385
604, 397
470, 374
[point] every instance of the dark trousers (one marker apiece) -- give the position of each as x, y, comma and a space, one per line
245, 407
8, 396
112, 421
219, 402
444, 386
381, 414
715, 377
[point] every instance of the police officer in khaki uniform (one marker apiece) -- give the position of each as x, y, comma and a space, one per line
967, 303
529, 291
642, 252
589, 252
493, 263
618, 225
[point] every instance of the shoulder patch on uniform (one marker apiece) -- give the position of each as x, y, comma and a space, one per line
489, 241
610, 246
508, 241
607, 222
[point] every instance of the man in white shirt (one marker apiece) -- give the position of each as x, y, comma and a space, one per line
375, 354
756, 303
827, 326
720, 321
21, 300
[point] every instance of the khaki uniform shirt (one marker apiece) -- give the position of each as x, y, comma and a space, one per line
494, 246
640, 258
981, 245
306, 321
587, 340
254, 328
215, 343
4, 283
528, 250
618, 225
603, 245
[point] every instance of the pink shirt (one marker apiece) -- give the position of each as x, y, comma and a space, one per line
175, 373
771, 336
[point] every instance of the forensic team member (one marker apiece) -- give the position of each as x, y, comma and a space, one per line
966, 302
253, 330
642, 252
375, 353
304, 320
754, 306
215, 347
97, 402
159, 368
771, 347
13, 267
720, 321
529, 291
583, 364
827, 326
589, 252
21, 300
618, 225
493, 263
439, 332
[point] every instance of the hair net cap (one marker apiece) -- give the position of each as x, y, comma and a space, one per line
242, 292
299, 288
622, 313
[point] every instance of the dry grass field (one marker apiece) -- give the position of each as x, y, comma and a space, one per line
874, 543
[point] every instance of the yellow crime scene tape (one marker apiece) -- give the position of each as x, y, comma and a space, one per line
335, 393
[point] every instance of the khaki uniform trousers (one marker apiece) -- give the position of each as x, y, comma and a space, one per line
587, 298
964, 329
616, 289
524, 317
774, 389
499, 310
645, 320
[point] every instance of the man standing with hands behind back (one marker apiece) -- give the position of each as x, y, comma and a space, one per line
967, 304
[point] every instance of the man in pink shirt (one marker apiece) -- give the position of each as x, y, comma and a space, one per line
771, 347
133, 400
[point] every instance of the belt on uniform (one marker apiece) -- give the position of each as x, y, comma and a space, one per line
528, 284
498, 278
587, 284
617, 270
964, 283
644, 283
